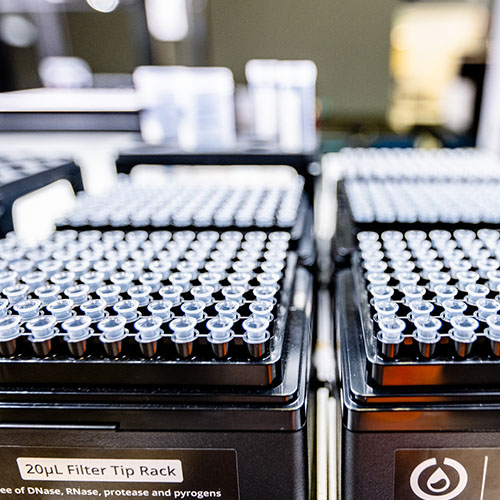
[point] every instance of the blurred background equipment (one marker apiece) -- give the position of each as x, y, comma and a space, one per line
65, 72
61, 28
410, 71
429, 44
194, 107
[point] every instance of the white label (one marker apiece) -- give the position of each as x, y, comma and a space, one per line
100, 470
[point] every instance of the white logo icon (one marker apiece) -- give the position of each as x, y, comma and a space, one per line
439, 476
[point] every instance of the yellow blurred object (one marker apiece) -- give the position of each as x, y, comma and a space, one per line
428, 41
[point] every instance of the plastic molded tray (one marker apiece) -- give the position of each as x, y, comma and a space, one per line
114, 265
446, 359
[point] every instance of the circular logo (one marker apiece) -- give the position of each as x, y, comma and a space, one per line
438, 483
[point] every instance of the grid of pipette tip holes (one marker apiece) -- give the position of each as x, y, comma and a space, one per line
427, 201
433, 294
141, 294
15, 168
181, 203
417, 164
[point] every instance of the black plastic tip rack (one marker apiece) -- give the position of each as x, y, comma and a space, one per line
145, 309
405, 189
180, 202
429, 306
20, 175
246, 152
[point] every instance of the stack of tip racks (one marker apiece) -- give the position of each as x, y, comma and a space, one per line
398, 188
169, 322
418, 315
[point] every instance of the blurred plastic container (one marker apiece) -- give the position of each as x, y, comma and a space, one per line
190, 107
263, 91
65, 72
206, 103
296, 105
157, 88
